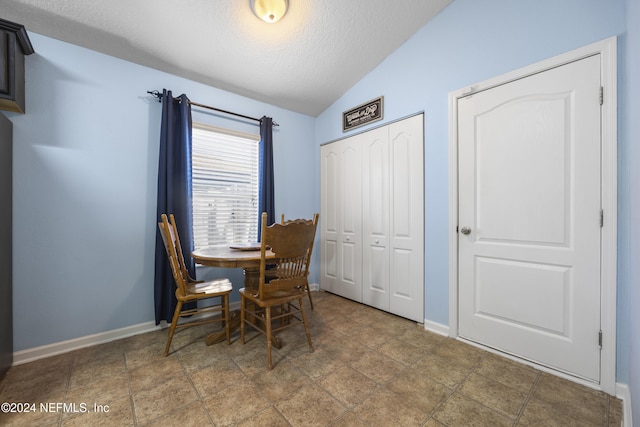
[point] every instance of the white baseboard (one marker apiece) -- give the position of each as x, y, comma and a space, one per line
314, 287
623, 393
437, 328
36, 353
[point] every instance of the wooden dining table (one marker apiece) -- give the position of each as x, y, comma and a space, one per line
243, 256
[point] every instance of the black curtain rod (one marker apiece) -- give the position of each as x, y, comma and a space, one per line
158, 95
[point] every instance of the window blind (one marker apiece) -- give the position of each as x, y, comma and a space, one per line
225, 186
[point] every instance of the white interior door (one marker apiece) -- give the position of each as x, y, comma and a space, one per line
530, 203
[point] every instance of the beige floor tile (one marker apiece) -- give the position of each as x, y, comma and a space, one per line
401, 351
460, 353
50, 386
151, 375
349, 419
507, 372
576, 401
348, 386
105, 391
417, 336
310, 406
163, 399
462, 411
494, 395
98, 370
192, 415
385, 408
144, 356
106, 352
235, 404
444, 370
116, 413
267, 418
615, 412
377, 366
369, 368
280, 382
419, 390
221, 374
321, 362
29, 419
369, 335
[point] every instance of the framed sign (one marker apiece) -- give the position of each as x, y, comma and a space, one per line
362, 114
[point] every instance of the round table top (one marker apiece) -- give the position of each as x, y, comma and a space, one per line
228, 258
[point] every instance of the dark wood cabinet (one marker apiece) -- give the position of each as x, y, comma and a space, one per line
14, 45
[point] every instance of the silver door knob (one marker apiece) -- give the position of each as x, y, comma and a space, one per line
465, 230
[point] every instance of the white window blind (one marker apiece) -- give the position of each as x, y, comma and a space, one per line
225, 186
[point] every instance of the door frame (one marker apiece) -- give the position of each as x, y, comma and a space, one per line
608, 256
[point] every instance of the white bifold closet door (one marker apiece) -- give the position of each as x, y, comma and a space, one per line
372, 224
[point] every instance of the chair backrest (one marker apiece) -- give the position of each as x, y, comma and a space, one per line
314, 222
169, 233
290, 244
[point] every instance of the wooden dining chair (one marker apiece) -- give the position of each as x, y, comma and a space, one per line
282, 289
191, 290
314, 222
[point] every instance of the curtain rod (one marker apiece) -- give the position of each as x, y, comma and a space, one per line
158, 95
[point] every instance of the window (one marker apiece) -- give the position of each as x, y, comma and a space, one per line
225, 186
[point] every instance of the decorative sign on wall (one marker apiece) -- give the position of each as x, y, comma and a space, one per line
362, 114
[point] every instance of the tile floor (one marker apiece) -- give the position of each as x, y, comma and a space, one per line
368, 368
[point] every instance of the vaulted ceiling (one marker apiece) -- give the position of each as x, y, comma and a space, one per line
302, 63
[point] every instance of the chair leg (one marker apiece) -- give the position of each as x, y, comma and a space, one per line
227, 317
309, 294
242, 308
268, 327
172, 328
306, 325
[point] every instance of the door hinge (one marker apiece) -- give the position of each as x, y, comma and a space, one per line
600, 339
601, 218
601, 95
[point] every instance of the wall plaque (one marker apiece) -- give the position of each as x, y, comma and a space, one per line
362, 114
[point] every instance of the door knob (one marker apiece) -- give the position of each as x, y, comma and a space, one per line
465, 230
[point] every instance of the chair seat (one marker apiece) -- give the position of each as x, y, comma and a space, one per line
274, 299
210, 287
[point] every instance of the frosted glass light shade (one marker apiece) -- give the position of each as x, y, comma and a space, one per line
269, 10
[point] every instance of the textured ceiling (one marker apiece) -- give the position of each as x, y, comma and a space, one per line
303, 63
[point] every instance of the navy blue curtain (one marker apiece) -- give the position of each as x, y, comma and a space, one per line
174, 197
266, 198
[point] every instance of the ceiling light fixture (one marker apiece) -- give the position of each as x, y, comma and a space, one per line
269, 10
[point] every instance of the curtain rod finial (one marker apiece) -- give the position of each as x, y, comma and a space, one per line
155, 94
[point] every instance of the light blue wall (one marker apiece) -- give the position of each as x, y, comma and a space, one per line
471, 41
85, 171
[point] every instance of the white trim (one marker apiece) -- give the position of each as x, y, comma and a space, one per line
225, 131
607, 49
623, 393
436, 328
37, 353
54, 349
